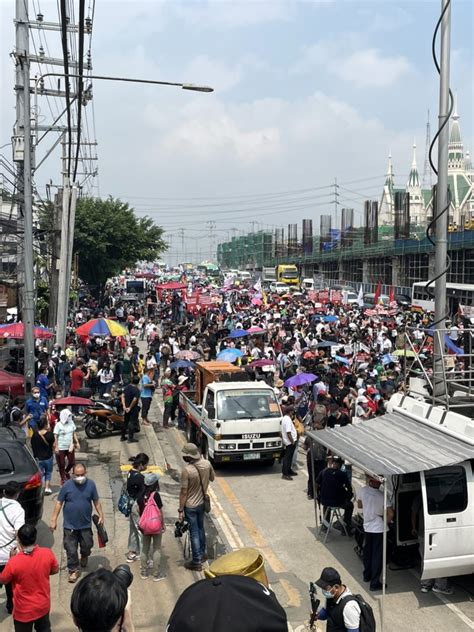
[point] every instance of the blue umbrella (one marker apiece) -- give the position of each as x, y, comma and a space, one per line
300, 379
326, 343
181, 364
341, 359
238, 333
387, 358
230, 355
330, 318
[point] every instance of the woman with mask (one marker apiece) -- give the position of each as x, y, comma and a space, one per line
135, 487
66, 442
42, 445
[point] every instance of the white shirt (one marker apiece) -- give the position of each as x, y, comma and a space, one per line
15, 513
351, 612
106, 376
286, 427
372, 503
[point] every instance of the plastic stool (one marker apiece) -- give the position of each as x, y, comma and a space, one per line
335, 514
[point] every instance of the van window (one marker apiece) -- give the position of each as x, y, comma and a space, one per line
209, 401
446, 490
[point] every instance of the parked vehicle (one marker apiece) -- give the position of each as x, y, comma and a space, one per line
105, 417
369, 300
351, 298
17, 464
268, 275
232, 419
278, 288
307, 284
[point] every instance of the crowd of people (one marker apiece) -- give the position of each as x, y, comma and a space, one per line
356, 361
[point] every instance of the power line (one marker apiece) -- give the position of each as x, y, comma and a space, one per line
80, 84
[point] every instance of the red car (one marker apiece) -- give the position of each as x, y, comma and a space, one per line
12, 384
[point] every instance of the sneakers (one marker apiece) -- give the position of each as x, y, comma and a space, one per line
84, 560
159, 577
286, 478
191, 566
443, 591
132, 557
425, 589
143, 574
48, 492
73, 577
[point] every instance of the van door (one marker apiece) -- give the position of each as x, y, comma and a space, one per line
448, 511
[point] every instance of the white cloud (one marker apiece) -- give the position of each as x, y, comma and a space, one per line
370, 68
233, 13
345, 58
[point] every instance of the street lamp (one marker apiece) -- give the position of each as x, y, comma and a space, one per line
67, 231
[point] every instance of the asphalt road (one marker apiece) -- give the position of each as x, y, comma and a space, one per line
253, 506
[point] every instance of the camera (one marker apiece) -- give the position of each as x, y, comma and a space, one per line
124, 575
180, 529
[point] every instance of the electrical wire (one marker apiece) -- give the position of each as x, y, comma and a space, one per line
80, 84
64, 44
432, 223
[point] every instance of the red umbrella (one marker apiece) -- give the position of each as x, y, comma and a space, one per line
11, 383
256, 330
17, 330
72, 401
187, 355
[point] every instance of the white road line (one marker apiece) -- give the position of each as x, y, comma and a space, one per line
228, 529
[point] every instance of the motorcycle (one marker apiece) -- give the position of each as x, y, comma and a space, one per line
105, 417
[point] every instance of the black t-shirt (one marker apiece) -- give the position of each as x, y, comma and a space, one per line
144, 497
42, 445
130, 393
342, 420
135, 483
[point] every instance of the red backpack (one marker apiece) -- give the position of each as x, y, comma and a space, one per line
151, 520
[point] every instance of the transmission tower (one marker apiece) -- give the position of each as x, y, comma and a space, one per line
427, 181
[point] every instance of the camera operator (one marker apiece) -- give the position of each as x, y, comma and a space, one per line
101, 601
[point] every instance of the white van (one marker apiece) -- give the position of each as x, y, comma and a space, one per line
307, 284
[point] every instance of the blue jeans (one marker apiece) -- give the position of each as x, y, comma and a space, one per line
195, 517
46, 468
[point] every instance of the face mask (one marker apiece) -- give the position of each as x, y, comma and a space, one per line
327, 594
36, 395
80, 480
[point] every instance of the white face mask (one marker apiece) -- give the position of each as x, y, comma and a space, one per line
80, 480
36, 395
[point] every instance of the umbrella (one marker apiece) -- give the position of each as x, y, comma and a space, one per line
72, 401
325, 344
257, 301
238, 333
300, 379
17, 330
230, 355
408, 353
263, 362
102, 327
181, 364
342, 360
330, 318
256, 330
387, 358
186, 354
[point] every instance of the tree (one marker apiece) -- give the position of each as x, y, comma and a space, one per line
109, 237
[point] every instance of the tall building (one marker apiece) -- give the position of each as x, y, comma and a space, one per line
460, 180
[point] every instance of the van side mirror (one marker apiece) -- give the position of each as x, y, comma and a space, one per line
211, 412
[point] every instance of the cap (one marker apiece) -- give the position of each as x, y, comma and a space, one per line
151, 478
230, 602
190, 449
182, 379
329, 577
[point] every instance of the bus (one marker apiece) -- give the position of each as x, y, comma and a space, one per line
456, 294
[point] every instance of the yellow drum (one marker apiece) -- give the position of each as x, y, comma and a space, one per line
247, 562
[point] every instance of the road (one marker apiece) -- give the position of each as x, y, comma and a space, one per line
253, 506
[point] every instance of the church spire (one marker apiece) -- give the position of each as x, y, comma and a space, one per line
389, 178
414, 178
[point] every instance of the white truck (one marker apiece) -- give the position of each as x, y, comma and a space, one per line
232, 419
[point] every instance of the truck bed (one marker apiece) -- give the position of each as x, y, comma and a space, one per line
187, 402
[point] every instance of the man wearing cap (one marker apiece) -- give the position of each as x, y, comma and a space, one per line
195, 477
342, 612
370, 499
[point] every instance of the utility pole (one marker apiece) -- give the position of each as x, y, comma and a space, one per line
336, 201
442, 201
22, 154
55, 253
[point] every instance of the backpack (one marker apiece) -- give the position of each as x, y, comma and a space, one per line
367, 619
151, 520
125, 501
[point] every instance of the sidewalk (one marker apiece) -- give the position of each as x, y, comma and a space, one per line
152, 602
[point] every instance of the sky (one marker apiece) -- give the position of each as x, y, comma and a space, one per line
304, 93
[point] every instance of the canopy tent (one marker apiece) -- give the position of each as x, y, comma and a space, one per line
394, 444
388, 445
170, 286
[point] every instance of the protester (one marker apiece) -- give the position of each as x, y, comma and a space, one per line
334, 490
28, 572
342, 611
289, 438
12, 517
195, 478
76, 499
146, 395
151, 541
66, 443
130, 402
135, 487
35, 406
42, 446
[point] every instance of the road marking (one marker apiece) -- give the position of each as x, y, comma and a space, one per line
294, 597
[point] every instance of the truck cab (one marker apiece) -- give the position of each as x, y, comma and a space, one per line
230, 418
